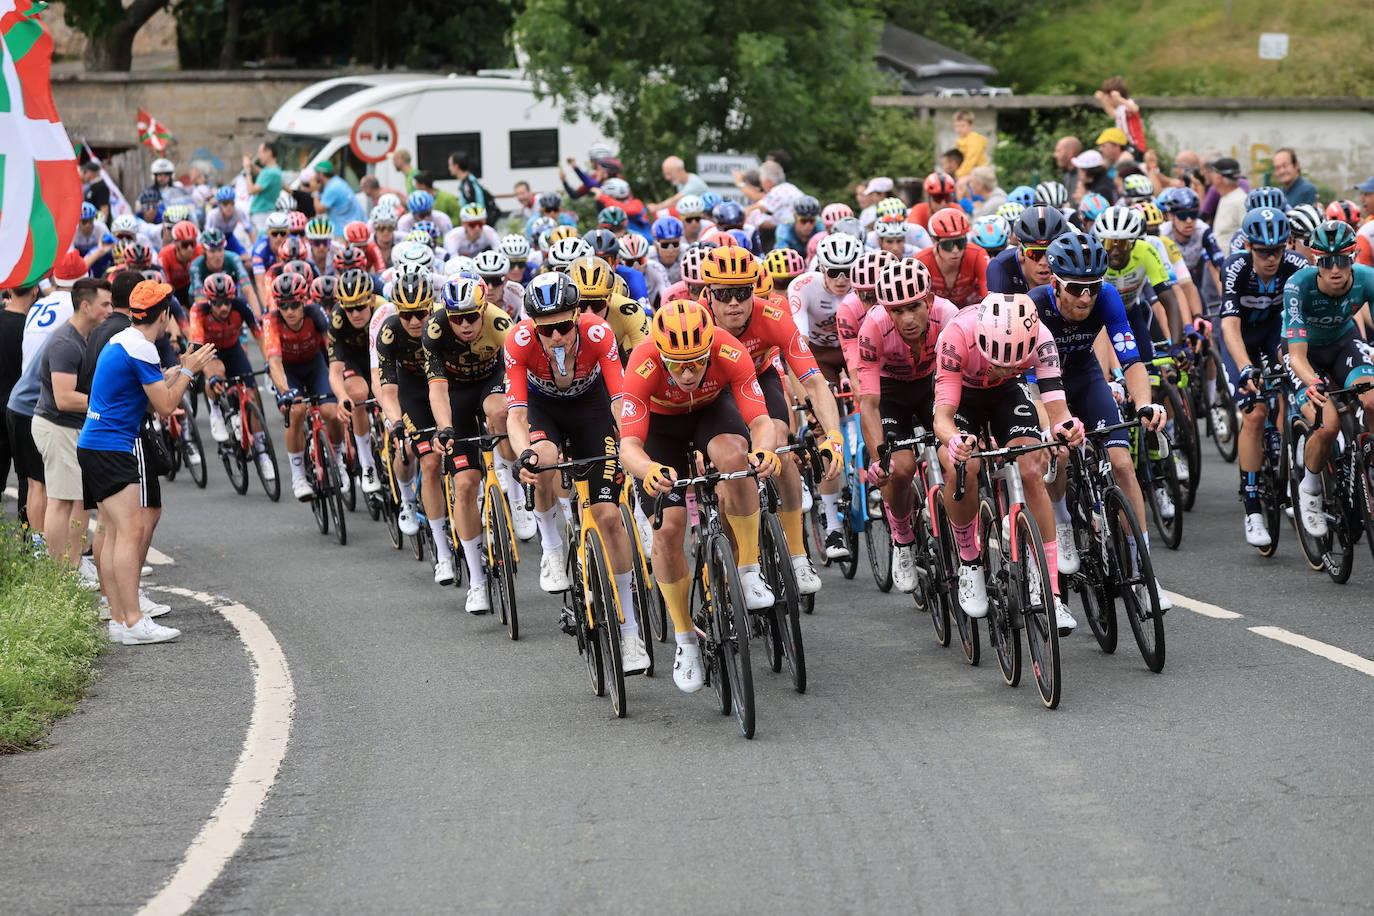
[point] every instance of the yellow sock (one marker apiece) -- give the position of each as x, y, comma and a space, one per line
792, 528
675, 596
746, 529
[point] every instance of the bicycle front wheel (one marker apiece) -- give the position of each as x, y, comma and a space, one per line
1222, 420
1135, 574
731, 620
1313, 546
601, 604
932, 590
786, 613
271, 481
1187, 445
1003, 597
333, 497
501, 560
1037, 610
650, 612
878, 541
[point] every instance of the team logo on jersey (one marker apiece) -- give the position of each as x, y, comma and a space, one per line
772, 312
627, 408
338, 319
435, 331
522, 336
501, 324
1120, 341
597, 332
754, 387
646, 368
629, 308
731, 353
388, 335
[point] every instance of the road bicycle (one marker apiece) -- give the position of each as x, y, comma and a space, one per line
1157, 473
1169, 377
1273, 474
780, 626
1212, 401
249, 438
322, 469
1347, 487
500, 553
650, 601
184, 444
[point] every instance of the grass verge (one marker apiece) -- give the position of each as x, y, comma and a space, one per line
49, 637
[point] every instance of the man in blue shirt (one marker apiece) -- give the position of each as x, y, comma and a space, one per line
1288, 175
334, 197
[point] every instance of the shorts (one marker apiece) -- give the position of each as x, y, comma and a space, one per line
1342, 364
310, 378
28, 461
465, 403
775, 394
61, 473
582, 427
235, 361
355, 362
416, 414
105, 473
904, 405
831, 361
1007, 411
1090, 400
1262, 344
673, 437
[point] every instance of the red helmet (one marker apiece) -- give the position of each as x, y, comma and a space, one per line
295, 221
290, 287
138, 256
303, 268
219, 286
348, 257
865, 272
292, 249
185, 231
357, 232
949, 223
902, 283
322, 290
1347, 211
939, 184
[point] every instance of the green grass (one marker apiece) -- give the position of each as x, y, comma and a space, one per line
1191, 47
50, 635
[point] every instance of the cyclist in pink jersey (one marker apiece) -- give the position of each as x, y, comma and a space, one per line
863, 280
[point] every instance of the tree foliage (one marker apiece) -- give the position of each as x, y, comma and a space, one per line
109, 27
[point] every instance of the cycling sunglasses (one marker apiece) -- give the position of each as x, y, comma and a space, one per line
1081, 288
1339, 261
806, 219
186, 244
557, 327
465, 317
518, 262
279, 234
835, 273
289, 305
668, 244
319, 243
362, 306
953, 244
1184, 214
1267, 251
418, 314
592, 303
733, 293
691, 219
1034, 252
217, 303
686, 365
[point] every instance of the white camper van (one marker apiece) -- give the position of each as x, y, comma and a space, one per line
494, 118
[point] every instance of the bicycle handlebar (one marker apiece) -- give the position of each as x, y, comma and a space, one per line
711, 478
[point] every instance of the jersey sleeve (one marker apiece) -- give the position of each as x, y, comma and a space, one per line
1210, 249
1048, 374
868, 351
796, 352
432, 345
980, 270
848, 319
796, 300
608, 358
645, 375
952, 349
387, 366
271, 335
631, 323
517, 370
1118, 326
996, 277
196, 332
1232, 284
1155, 271
250, 321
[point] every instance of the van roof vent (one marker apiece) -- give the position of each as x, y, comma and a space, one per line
333, 94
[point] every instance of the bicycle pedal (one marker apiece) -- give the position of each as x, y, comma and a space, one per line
566, 622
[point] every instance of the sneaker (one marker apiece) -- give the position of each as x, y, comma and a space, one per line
145, 632
117, 631
90, 578
302, 489
1313, 516
757, 595
1256, 534
1063, 619
522, 519
219, 430
372, 483
268, 469
904, 567
634, 658
553, 578
688, 672
1165, 504
808, 583
406, 521
478, 600
149, 607
973, 591
835, 547
443, 571
1068, 550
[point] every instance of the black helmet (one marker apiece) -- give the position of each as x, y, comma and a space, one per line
603, 242
1077, 257
806, 206
1040, 225
551, 293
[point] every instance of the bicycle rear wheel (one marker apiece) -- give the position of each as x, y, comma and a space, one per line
1037, 611
1163, 492
878, 541
1313, 546
849, 565
650, 610
1003, 596
500, 560
1344, 529
1092, 581
318, 477
731, 619
1135, 569
333, 496
272, 486
1271, 507
1222, 421
816, 532
934, 552
193, 450
1187, 445
1364, 491
588, 643
601, 598
786, 614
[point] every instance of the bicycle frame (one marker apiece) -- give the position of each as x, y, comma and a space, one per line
486, 444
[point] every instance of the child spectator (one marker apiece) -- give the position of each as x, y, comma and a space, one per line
972, 145
1116, 100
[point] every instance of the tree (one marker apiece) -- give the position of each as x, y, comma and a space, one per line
682, 77
110, 27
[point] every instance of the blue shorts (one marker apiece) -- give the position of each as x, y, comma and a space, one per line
235, 361
1090, 400
1261, 345
309, 378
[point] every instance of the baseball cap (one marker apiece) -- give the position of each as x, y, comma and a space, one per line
306, 175
1113, 135
146, 297
879, 186
69, 268
1089, 159
1366, 186
324, 167
1226, 167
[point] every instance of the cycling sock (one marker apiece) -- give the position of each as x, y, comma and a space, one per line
746, 529
792, 530
675, 597
472, 552
442, 548
509, 476
565, 502
1249, 485
1061, 511
215, 412
902, 535
297, 464
1052, 563
407, 488
364, 445
832, 511
624, 587
550, 538
965, 536
1311, 483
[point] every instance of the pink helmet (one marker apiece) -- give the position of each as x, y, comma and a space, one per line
691, 262
864, 273
1008, 326
633, 246
903, 282
833, 213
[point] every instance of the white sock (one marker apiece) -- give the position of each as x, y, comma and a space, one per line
1061, 511
1311, 482
832, 511
442, 548
364, 445
215, 412
407, 488
297, 464
259, 438
686, 639
625, 589
566, 503
472, 552
550, 538
509, 476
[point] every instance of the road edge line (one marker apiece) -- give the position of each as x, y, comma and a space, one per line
1202, 607
1316, 647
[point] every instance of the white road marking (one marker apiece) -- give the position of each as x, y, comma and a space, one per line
264, 746
1201, 607
158, 558
1316, 647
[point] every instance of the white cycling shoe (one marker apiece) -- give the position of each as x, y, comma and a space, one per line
478, 600
1313, 517
301, 489
688, 672
757, 595
522, 519
1166, 505
406, 520
1256, 533
1068, 550
219, 430
553, 577
973, 591
634, 658
443, 571
904, 568
372, 482
808, 583
1062, 618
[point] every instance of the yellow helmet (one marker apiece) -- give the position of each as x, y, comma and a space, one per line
683, 329
412, 292
1150, 212
784, 263
765, 284
562, 232
593, 276
730, 265
354, 286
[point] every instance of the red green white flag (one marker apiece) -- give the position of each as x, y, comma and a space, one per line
151, 132
40, 191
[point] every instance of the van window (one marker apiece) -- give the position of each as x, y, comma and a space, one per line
532, 149
333, 94
432, 152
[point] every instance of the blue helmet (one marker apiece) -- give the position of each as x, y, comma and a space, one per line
728, 213
1077, 257
667, 227
746, 240
1267, 196
88, 211
224, 194
991, 233
551, 293
420, 202
1162, 199
150, 196
1092, 205
1023, 195
1182, 199
1265, 226
710, 199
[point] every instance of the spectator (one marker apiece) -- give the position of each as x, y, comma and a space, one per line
57, 420
526, 208
972, 145
775, 207
1064, 151
18, 301
94, 190
264, 183
1111, 143
128, 379
166, 185
1116, 100
1210, 197
987, 195
1225, 175
444, 202
93, 240
333, 197
469, 188
951, 160
874, 191
683, 182
1092, 174
1288, 175
603, 167
401, 162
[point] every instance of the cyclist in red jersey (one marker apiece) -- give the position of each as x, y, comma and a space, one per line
219, 319
176, 257
958, 270
939, 189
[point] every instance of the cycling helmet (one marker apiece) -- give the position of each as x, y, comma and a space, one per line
357, 233
1302, 219
162, 167
184, 231
219, 286
138, 256
558, 233
462, 265
1077, 256
949, 223
1150, 213
730, 265
728, 214
618, 188
1265, 226
690, 205
1138, 187
1267, 196
413, 292
749, 241
429, 229
382, 216
515, 246
420, 202
292, 249
891, 227
492, 263
1333, 237
319, 229
286, 202
296, 220
1010, 212
416, 255
991, 233
1162, 199
611, 217
323, 291
710, 199
784, 264
691, 262
603, 242
550, 200
462, 294
806, 207
1051, 194
868, 268
903, 282
224, 195
1040, 225
88, 211
353, 286
303, 268
390, 200
593, 276
666, 228
1118, 223
564, 251
125, 222
277, 222
290, 287
683, 330
420, 235
1092, 205
175, 213
349, 257
550, 294
938, 184
764, 288
833, 213
633, 247
891, 206
1022, 194
472, 213
1345, 210
848, 226
149, 196
213, 239
838, 251
1007, 329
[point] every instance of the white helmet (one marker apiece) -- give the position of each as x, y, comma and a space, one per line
850, 226
125, 222
633, 246
1118, 223
381, 214
564, 251
515, 246
599, 151
163, 167
286, 202
618, 188
454, 266
838, 251
492, 263
277, 220
690, 205
890, 228
1051, 194
413, 255
391, 201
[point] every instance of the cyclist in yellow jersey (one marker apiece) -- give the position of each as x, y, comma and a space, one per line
596, 285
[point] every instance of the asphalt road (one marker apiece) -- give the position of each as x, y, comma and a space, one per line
434, 766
